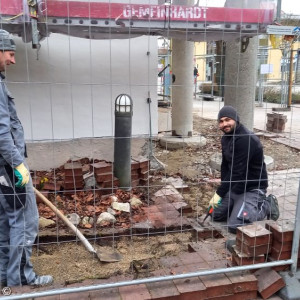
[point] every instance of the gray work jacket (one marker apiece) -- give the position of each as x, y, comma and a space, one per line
12, 144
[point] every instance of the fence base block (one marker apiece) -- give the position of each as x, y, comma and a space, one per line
292, 289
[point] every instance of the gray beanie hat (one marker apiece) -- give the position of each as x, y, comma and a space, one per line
230, 112
6, 41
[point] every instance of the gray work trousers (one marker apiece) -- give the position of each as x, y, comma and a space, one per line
242, 209
18, 230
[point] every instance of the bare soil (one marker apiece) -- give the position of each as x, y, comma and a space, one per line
71, 262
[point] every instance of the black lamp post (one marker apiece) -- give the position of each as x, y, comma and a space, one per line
122, 147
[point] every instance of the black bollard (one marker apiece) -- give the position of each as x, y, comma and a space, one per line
122, 146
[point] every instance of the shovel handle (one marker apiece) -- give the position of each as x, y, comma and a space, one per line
82, 238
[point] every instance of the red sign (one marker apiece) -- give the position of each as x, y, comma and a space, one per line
116, 11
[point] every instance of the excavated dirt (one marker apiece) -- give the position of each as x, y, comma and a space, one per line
70, 262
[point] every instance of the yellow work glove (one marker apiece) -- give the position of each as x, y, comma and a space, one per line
22, 175
215, 201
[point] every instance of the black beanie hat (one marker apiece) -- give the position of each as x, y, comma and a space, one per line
230, 112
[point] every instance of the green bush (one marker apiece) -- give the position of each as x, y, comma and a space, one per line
273, 95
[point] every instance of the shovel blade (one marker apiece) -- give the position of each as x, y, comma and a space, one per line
105, 256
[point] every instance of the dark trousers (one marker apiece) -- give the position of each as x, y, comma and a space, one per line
242, 209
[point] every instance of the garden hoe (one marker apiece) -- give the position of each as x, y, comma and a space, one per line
103, 256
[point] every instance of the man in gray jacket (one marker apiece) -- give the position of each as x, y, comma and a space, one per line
18, 209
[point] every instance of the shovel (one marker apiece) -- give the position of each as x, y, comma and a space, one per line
104, 256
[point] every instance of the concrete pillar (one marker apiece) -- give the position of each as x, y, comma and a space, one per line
241, 70
182, 89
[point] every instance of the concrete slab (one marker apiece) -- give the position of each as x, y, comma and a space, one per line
175, 142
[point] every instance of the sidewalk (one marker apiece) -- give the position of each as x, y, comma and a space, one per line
291, 135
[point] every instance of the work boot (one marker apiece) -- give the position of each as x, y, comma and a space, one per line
274, 208
229, 245
42, 280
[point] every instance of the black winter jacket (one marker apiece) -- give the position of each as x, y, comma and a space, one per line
243, 168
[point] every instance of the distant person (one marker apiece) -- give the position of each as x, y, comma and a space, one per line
241, 197
196, 74
19, 220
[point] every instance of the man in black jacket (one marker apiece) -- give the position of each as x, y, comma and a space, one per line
241, 197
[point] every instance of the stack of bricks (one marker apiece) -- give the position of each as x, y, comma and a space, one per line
253, 242
104, 174
73, 176
281, 247
276, 122
143, 169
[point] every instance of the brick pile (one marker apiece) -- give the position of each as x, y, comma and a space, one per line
73, 176
281, 247
103, 172
276, 122
253, 243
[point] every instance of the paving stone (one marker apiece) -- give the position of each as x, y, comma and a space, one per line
217, 285
189, 288
150, 209
111, 294
57, 297
269, 282
207, 251
134, 292
75, 296
251, 295
198, 267
254, 235
190, 258
168, 262
162, 289
218, 264
282, 231
243, 282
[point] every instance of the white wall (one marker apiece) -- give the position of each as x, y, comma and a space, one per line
69, 92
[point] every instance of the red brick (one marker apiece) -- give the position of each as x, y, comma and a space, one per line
143, 161
134, 165
252, 250
50, 298
282, 231
72, 179
280, 255
243, 260
101, 167
254, 235
51, 186
75, 296
109, 183
282, 246
74, 168
71, 186
252, 295
111, 294
269, 282
135, 176
134, 292
104, 177
217, 285
144, 175
189, 288
162, 289
243, 282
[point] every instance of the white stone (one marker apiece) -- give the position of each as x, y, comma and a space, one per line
43, 222
74, 218
134, 201
106, 217
121, 206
